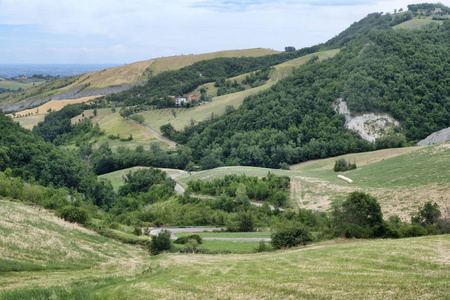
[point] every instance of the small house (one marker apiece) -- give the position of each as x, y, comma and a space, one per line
180, 100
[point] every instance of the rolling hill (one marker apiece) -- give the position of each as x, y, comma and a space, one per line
402, 179
110, 80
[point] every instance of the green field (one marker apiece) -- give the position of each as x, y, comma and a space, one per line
116, 177
220, 234
401, 179
22, 84
114, 124
44, 257
417, 23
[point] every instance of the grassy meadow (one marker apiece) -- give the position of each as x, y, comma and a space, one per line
44, 257
417, 23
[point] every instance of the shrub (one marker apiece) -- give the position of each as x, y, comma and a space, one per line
160, 242
187, 238
291, 236
341, 165
413, 231
74, 214
262, 247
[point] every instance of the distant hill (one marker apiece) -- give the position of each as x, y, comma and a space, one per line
111, 80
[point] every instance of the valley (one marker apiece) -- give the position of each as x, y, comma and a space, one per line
216, 175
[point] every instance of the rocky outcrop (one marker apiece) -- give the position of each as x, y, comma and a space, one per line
437, 137
370, 126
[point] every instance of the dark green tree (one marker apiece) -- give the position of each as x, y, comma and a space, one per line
359, 216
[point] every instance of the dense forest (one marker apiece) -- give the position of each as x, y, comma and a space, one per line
404, 73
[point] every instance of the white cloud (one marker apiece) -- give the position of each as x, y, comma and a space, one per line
147, 29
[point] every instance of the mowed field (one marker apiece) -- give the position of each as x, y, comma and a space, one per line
416, 23
114, 124
401, 179
44, 257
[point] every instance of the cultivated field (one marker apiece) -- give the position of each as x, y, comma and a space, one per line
401, 179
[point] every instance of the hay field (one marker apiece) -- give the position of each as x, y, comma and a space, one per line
178, 62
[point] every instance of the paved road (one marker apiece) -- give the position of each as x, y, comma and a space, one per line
174, 231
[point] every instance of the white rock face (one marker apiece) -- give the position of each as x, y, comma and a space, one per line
437, 137
370, 126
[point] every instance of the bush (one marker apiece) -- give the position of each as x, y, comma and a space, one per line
291, 236
187, 238
341, 165
413, 231
262, 247
74, 214
160, 242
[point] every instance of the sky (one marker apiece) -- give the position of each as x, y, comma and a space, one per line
119, 32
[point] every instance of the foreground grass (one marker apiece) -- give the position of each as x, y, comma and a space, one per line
64, 261
394, 269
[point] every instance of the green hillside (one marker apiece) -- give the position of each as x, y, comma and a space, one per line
401, 179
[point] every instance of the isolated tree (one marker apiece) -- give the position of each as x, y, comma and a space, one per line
190, 167
428, 215
359, 216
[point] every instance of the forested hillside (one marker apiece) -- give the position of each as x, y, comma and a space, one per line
404, 73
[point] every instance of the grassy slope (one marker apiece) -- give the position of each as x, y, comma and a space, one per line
401, 179
37, 248
394, 269
15, 85
184, 117
417, 23
116, 177
45, 257
113, 124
